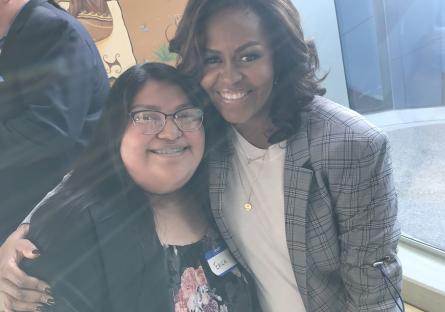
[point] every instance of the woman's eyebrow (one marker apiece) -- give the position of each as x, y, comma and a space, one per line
248, 45
144, 106
240, 48
185, 105
159, 108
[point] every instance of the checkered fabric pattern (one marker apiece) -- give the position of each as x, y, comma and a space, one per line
340, 210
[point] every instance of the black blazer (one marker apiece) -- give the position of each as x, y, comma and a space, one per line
52, 89
100, 252
101, 257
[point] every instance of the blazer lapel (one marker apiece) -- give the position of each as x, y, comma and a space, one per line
297, 184
219, 165
133, 258
119, 243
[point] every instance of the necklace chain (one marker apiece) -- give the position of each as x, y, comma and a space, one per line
248, 206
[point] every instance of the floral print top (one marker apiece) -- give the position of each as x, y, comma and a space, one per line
195, 288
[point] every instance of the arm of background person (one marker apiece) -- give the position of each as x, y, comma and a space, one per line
368, 229
56, 95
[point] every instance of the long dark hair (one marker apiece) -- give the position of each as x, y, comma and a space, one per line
295, 59
99, 187
101, 160
99, 174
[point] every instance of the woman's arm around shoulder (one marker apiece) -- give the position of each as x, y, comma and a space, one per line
70, 259
19, 291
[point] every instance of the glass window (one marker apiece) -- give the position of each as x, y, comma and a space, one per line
393, 56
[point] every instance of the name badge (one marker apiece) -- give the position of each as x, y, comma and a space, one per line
220, 260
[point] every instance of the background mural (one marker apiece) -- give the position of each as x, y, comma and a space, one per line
127, 32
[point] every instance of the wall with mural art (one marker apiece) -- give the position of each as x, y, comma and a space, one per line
127, 32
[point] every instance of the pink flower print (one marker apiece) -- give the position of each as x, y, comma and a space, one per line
204, 297
194, 294
180, 307
189, 283
193, 303
212, 306
180, 302
200, 276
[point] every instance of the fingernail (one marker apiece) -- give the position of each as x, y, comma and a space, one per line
48, 291
36, 252
50, 301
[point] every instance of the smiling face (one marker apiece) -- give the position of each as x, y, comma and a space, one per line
238, 72
161, 163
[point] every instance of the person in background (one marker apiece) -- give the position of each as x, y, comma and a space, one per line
52, 89
301, 188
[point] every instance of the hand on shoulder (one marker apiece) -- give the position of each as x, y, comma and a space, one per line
19, 291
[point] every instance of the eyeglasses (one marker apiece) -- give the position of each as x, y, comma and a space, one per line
152, 122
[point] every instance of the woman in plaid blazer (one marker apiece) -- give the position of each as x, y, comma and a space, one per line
301, 188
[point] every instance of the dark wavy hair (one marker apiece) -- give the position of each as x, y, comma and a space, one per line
295, 59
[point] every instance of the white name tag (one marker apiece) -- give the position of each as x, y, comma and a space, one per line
220, 260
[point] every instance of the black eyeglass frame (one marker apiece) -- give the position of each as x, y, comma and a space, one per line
173, 115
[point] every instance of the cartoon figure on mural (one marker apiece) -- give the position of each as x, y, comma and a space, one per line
123, 31
103, 20
94, 15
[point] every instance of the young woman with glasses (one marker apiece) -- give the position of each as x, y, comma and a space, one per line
129, 229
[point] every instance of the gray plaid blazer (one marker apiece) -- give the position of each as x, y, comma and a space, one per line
340, 210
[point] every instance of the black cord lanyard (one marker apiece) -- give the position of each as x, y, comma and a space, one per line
389, 284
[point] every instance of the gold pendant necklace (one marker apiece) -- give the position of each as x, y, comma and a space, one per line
248, 206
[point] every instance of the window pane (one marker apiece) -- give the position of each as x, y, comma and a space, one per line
393, 53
